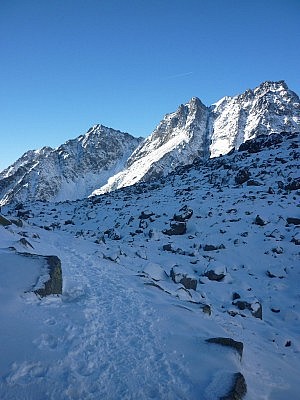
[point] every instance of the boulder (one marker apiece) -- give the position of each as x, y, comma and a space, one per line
296, 239
211, 247
293, 185
176, 228
184, 214
242, 176
214, 275
4, 221
54, 284
260, 221
184, 279
238, 389
112, 234
146, 215
293, 221
255, 307
238, 346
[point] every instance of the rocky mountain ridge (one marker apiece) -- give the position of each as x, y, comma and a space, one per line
70, 171
104, 160
195, 131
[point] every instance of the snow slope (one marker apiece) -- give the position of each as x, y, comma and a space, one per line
128, 325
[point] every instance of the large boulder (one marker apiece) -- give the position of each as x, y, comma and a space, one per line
54, 284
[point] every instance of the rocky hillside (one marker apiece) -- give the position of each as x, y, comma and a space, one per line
71, 171
183, 288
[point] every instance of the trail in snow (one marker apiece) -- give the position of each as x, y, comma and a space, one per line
104, 338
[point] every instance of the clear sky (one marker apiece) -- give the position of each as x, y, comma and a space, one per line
69, 64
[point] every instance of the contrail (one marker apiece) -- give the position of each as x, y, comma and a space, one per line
179, 75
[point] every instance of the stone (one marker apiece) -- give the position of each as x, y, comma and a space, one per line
17, 222
277, 250
251, 146
211, 247
293, 185
189, 283
69, 222
238, 346
259, 221
54, 284
23, 214
252, 182
296, 239
271, 191
145, 215
25, 243
4, 221
176, 228
167, 247
293, 221
242, 176
184, 214
206, 309
255, 308
213, 276
235, 296
239, 388
113, 234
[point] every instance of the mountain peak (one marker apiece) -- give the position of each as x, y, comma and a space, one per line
271, 86
195, 102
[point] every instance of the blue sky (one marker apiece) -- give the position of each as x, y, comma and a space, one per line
69, 64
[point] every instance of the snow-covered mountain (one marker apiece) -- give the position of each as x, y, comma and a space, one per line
71, 171
103, 159
195, 131
186, 288
269, 108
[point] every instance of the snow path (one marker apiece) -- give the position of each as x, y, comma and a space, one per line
104, 339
